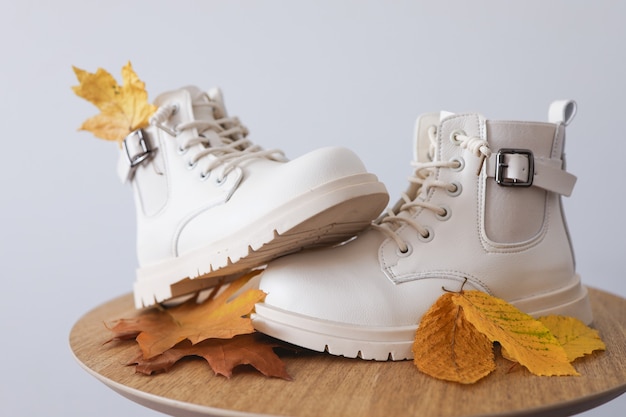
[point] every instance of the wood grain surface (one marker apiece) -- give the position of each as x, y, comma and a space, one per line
326, 385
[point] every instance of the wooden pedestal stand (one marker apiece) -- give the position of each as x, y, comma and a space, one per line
328, 386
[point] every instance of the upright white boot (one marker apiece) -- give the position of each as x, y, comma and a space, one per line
210, 203
483, 205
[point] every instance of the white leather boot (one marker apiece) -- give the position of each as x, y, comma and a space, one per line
483, 205
210, 203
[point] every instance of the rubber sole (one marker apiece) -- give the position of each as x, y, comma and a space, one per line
331, 213
394, 343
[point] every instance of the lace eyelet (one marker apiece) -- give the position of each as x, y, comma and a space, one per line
181, 150
457, 190
454, 134
204, 176
461, 163
407, 252
219, 181
191, 165
429, 236
445, 216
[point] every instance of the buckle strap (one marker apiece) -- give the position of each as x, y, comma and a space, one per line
520, 168
136, 149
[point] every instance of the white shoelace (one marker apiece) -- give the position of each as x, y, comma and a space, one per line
232, 148
422, 180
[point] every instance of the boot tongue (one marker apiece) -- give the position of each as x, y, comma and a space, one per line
422, 146
421, 139
202, 111
215, 94
199, 97
423, 151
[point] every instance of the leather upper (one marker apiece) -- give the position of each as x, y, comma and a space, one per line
509, 241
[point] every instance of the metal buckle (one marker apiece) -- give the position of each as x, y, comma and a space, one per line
140, 150
501, 165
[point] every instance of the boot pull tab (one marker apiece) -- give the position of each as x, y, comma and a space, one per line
562, 111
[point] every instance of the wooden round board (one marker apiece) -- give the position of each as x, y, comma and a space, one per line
325, 385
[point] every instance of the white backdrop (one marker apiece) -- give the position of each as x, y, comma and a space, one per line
300, 76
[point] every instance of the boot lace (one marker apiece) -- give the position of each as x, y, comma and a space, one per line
421, 182
231, 147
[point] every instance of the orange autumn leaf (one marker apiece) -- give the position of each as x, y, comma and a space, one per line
222, 355
525, 339
576, 338
216, 317
449, 347
123, 109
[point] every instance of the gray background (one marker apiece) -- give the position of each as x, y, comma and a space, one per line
300, 76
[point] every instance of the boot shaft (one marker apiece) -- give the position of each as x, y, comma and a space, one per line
179, 166
488, 208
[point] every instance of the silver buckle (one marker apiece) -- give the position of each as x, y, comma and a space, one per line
140, 148
501, 165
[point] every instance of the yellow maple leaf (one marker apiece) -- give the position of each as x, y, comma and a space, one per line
123, 109
449, 347
525, 339
218, 317
576, 338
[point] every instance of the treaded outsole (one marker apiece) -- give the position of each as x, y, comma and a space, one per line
335, 223
385, 343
